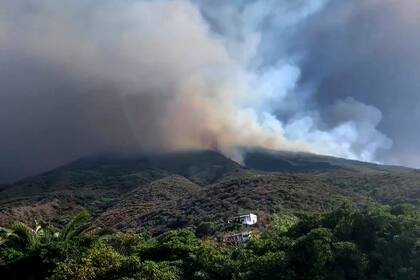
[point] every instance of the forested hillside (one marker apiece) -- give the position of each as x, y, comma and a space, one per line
375, 242
168, 191
166, 217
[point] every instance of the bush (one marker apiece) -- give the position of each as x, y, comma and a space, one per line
377, 242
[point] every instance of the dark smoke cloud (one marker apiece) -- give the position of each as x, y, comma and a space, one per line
85, 77
47, 118
370, 51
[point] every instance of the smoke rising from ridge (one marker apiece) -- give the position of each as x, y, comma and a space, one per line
83, 77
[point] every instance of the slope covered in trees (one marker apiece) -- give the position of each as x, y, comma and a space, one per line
164, 217
373, 242
167, 191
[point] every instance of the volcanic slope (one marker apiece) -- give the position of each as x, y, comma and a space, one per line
186, 189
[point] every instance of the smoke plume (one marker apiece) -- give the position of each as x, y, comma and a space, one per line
81, 77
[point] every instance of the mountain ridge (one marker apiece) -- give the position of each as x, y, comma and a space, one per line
150, 190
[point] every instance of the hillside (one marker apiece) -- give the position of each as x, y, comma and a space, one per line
282, 161
180, 189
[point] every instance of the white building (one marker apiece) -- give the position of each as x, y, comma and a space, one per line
248, 219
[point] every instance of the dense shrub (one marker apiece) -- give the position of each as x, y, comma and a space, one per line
376, 242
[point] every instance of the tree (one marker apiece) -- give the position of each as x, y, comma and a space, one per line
348, 262
76, 226
311, 253
32, 252
101, 262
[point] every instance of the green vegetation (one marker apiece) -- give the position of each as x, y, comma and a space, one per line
169, 191
372, 242
164, 217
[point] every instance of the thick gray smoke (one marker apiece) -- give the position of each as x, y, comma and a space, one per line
82, 77
370, 51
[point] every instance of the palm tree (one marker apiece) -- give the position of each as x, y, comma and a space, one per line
23, 237
75, 227
30, 252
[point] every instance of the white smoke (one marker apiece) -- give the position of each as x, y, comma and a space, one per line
201, 71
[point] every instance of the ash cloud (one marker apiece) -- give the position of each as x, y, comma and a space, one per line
369, 51
85, 77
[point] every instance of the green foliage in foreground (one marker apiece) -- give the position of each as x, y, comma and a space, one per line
377, 242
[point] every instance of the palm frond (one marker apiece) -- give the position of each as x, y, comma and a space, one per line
3, 240
24, 235
75, 227
5, 233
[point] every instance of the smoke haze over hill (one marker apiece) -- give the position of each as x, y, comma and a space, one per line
330, 77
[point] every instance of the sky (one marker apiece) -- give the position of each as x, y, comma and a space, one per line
84, 77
